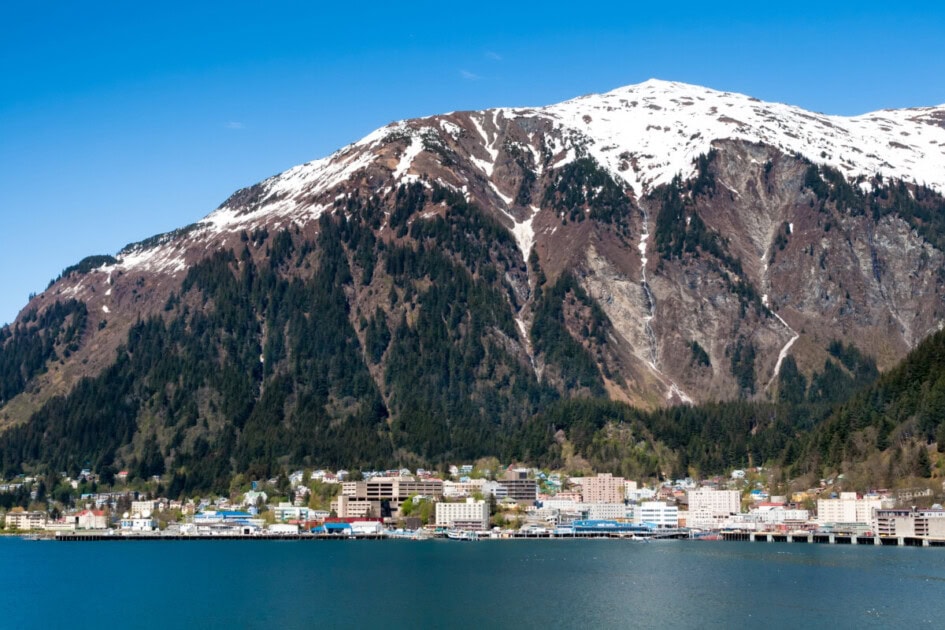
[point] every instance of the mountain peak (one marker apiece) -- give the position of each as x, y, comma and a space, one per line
665, 125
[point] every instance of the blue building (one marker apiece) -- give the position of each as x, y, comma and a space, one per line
343, 529
610, 527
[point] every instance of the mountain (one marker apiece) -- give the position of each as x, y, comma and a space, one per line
420, 294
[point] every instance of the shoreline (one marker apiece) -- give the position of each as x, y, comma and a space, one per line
811, 539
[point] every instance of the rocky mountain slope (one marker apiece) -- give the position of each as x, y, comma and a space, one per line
443, 279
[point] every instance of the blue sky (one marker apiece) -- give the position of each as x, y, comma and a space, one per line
121, 120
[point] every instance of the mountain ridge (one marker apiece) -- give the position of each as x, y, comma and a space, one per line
601, 246
241, 207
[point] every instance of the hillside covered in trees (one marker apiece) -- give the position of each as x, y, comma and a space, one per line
655, 281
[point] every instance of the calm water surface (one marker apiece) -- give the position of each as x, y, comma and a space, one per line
449, 584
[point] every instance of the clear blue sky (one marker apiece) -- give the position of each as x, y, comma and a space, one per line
121, 120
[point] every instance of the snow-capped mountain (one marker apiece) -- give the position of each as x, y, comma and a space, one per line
659, 243
643, 134
665, 126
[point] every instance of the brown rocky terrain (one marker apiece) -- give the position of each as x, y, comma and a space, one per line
783, 232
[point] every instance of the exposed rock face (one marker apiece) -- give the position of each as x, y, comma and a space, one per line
703, 299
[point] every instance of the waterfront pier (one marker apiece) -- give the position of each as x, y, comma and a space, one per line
823, 538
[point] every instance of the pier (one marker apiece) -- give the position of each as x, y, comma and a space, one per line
821, 538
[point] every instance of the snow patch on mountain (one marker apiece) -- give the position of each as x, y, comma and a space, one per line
663, 126
784, 351
452, 129
486, 166
524, 233
505, 198
406, 159
167, 258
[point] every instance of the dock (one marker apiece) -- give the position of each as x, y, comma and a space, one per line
820, 538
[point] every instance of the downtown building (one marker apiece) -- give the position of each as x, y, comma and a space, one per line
381, 497
710, 509
657, 514
519, 487
848, 512
909, 522
469, 515
604, 488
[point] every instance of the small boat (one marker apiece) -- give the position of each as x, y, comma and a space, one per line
454, 534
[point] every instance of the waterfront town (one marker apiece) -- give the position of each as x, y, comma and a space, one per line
469, 502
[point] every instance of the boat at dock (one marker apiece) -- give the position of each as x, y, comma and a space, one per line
456, 534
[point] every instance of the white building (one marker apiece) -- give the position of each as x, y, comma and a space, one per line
847, 509
606, 511
769, 517
641, 494
138, 524
778, 515
66, 524
283, 529
289, 512
366, 527
657, 514
91, 519
562, 504
469, 515
709, 508
20, 519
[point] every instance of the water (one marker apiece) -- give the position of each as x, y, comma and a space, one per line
448, 584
